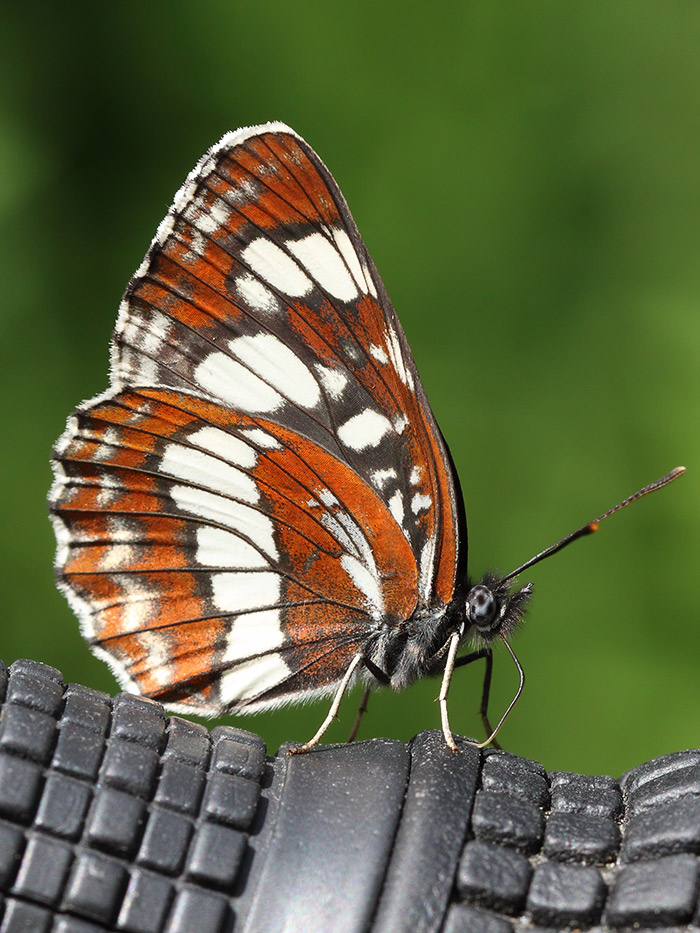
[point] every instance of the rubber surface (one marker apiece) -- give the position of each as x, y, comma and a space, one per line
115, 817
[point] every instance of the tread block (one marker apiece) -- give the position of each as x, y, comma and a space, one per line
35, 685
11, 847
95, 887
581, 837
181, 786
146, 903
44, 869
238, 752
669, 786
464, 919
509, 775
566, 894
634, 780
165, 842
493, 876
20, 786
36, 669
89, 709
63, 806
20, 917
579, 793
78, 751
503, 819
231, 799
71, 925
516, 761
139, 720
664, 891
130, 767
116, 822
198, 912
215, 855
27, 732
668, 829
188, 742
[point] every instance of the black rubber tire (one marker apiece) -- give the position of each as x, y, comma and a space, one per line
116, 817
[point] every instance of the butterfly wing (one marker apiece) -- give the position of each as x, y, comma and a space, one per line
264, 488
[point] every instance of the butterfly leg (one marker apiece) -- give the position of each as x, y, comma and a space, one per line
485, 692
487, 684
333, 711
383, 679
362, 709
442, 698
487, 654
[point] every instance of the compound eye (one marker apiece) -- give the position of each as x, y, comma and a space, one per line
482, 608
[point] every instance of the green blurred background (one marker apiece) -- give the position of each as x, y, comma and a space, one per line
527, 178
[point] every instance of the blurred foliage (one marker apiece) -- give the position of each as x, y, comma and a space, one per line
527, 177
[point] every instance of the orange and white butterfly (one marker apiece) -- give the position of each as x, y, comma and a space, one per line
261, 507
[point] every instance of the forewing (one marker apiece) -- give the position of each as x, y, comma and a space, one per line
220, 561
258, 292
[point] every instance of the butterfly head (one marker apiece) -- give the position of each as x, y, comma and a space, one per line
492, 608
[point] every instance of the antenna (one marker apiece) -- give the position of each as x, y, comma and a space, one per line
590, 527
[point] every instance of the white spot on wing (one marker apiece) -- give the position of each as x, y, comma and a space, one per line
248, 189
136, 602
206, 505
107, 445
230, 381
272, 361
325, 264
252, 677
368, 278
219, 548
334, 527
327, 497
207, 217
135, 369
254, 633
117, 557
239, 592
156, 647
261, 438
333, 381
110, 489
379, 353
425, 574
225, 445
348, 253
394, 348
276, 268
400, 424
149, 334
381, 477
420, 503
366, 581
256, 295
396, 506
197, 245
204, 470
364, 430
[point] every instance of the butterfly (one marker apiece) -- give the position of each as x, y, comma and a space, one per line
261, 508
